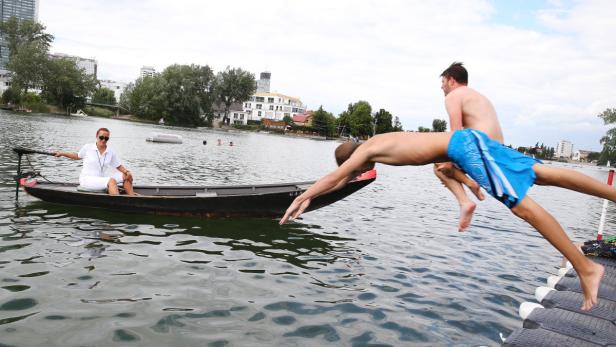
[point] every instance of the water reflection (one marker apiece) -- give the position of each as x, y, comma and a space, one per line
296, 244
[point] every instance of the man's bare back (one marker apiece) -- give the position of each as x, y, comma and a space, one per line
477, 112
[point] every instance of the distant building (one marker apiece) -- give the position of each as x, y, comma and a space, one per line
21, 9
116, 87
273, 106
581, 155
564, 149
237, 115
5, 81
147, 71
263, 84
89, 65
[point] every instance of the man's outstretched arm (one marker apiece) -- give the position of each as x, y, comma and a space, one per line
334, 180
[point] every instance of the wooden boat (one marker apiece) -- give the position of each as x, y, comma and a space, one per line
266, 200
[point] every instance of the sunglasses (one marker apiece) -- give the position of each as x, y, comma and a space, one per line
106, 138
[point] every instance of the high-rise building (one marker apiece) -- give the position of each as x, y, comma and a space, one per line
564, 149
21, 9
89, 65
147, 71
263, 84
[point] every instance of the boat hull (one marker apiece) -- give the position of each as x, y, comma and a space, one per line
203, 202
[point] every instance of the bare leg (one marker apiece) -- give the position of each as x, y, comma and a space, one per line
467, 206
571, 179
461, 177
128, 186
112, 187
590, 273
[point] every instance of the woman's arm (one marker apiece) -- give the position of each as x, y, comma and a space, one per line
125, 172
69, 155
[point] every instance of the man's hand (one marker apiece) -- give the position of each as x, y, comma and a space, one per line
445, 168
295, 210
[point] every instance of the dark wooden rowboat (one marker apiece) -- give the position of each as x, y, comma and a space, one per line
267, 200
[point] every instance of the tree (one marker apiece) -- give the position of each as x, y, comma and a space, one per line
28, 47
288, 120
423, 130
231, 86
383, 123
439, 125
27, 65
66, 85
11, 96
397, 124
356, 120
104, 96
15, 32
187, 89
324, 123
609, 140
343, 123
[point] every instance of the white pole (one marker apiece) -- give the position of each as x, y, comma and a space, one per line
610, 178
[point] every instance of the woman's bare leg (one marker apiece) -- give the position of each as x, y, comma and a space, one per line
112, 187
571, 179
590, 273
128, 187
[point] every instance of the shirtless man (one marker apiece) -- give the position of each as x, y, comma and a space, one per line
506, 174
467, 109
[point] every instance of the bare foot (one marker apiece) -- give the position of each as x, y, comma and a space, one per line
590, 282
466, 215
476, 189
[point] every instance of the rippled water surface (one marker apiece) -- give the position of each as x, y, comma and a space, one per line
384, 267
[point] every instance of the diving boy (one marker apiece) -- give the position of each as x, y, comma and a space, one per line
503, 172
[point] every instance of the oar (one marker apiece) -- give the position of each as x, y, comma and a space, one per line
21, 151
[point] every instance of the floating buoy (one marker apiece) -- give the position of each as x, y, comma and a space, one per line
165, 138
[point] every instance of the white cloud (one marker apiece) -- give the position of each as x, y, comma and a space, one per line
330, 53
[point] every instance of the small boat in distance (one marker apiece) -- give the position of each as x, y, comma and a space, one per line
79, 113
164, 138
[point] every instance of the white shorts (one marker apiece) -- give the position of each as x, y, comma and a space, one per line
99, 183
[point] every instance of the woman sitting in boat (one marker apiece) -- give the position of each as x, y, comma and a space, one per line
98, 161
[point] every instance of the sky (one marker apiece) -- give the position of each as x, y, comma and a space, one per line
548, 66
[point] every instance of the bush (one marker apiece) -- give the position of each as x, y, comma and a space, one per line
99, 111
11, 96
34, 102
251, 127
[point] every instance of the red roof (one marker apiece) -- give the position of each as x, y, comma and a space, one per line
302, 118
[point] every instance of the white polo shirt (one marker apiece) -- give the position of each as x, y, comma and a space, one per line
97, 164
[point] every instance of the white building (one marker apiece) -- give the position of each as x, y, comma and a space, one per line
5, 81
116, 87
147, 71
273, 106
237, 115
581, 155
89, 65
564, 149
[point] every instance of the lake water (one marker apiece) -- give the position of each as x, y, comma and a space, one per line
384, 267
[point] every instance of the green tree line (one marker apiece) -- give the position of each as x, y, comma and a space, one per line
181, 94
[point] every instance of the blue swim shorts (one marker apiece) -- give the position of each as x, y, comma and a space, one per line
504, 173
